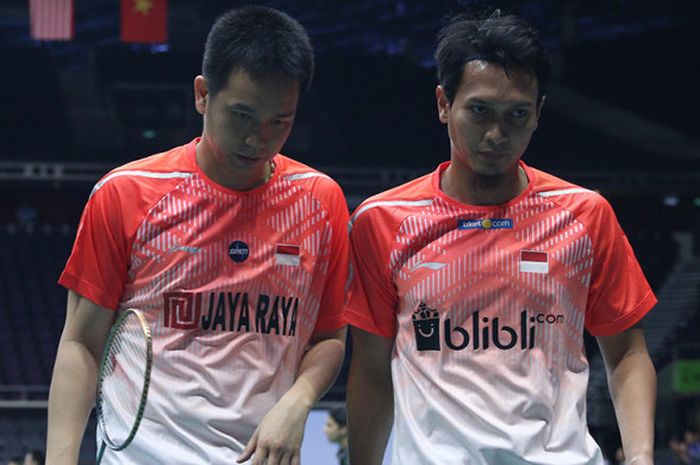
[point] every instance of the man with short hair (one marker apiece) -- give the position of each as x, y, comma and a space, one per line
236, 254
471, 286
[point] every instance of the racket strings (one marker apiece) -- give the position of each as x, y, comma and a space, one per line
124, 375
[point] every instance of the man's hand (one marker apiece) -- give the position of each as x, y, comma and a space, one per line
278, 436
277, 439
641, 460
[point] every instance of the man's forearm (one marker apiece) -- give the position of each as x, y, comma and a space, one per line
370, 416
633, 390
71, 399
318, 370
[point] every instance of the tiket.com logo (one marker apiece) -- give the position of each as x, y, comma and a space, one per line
484, 333
485, 223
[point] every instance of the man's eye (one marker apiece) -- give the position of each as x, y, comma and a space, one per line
521, 113
478, 109
241, 115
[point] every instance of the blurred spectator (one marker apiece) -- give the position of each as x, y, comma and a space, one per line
35, 457
336, 430
679, 452
692, 441
15, 461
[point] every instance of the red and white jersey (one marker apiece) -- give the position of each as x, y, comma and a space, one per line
232, 283
487, 305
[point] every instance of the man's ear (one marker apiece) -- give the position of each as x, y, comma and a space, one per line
443, 104
538, 111
201, 94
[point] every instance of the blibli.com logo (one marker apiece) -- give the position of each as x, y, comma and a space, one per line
426, 324
486, 223
484, 333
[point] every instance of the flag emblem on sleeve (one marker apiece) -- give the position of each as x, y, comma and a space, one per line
287, 254
534, 262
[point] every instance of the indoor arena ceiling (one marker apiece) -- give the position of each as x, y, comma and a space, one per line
393, 27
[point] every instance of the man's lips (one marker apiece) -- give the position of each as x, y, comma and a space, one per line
492, 154
247, 158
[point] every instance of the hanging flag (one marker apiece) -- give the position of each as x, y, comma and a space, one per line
144, 21
532, 261
51, 19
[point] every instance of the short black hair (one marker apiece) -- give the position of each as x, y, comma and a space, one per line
496, 38
261, 41
339, 415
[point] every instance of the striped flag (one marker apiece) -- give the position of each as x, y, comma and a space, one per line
51, 19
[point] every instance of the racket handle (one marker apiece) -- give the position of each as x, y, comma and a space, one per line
102, 451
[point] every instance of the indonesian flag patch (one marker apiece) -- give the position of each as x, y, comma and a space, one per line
534, 262
287, 254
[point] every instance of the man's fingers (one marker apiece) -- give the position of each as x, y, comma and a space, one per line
260, 456
274, 458
249, 449
286, 458
282, 457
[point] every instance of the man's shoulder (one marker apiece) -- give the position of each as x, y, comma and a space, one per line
585, 204
176, 159
545, 182
164, 168
311, 180
564, 192
300, 173
395, 204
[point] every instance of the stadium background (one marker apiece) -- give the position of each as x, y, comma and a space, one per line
621, 117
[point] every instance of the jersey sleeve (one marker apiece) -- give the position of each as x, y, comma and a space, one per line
97, 266
333, 295
619, 294
372, 297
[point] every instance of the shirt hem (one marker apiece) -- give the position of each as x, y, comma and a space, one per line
361, 321
331, 324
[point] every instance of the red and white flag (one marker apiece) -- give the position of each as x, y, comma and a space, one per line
51, 19
532, 261
144, 21
287, 254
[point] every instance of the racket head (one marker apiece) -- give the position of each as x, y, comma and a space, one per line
123, 379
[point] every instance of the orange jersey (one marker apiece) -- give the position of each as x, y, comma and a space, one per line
487, 305
233, 285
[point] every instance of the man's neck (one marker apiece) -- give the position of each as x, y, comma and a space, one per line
469, 188
225, 176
